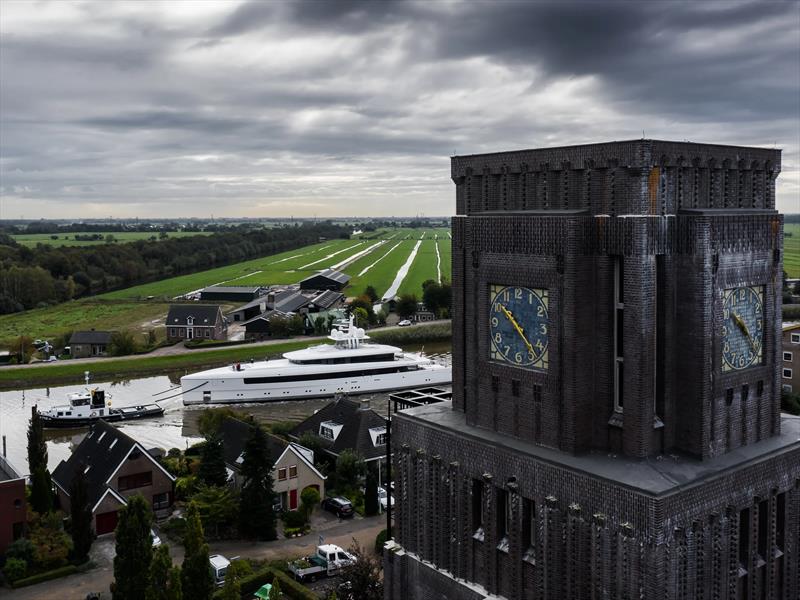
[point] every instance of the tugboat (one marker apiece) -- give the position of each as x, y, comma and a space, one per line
87, 407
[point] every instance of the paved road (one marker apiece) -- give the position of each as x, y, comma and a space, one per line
75, 587
181, 349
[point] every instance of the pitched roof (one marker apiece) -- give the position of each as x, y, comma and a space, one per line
102, 450
336, 276
356, 421
90, 337
204, 314
235, 433
326, 299
266, 316
231, 288
291, 302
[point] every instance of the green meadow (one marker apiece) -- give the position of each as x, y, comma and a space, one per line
68, 239
791, 249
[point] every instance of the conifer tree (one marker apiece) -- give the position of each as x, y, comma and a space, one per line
80, 515
160, 571
212, 463
175, 591
134, 548
257, 519
197, 582
371, 493
232, 588
41, 484
275, 592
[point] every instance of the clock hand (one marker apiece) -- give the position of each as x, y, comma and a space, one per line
513, 322
743, 326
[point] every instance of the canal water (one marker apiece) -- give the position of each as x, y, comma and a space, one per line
176, 429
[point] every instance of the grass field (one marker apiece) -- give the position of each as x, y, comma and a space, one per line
68, 239
48, 323
791, 249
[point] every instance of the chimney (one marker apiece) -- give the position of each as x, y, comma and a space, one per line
365, 404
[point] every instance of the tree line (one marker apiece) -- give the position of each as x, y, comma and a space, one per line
35, 277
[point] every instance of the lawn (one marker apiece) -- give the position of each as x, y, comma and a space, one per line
236, 274
48, 323
68, 239
791, 249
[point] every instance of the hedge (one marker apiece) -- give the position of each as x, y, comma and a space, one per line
46, 576
290, 588
791, 311
216, 344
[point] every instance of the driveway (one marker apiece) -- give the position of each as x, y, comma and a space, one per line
75, 587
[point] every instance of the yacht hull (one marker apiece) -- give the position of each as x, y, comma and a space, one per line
233, 389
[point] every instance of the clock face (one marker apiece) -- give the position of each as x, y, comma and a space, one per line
518, 326
742, 327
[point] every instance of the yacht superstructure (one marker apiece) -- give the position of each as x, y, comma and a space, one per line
348, 366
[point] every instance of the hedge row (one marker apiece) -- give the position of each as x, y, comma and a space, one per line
46, 576
290, 588
218, 344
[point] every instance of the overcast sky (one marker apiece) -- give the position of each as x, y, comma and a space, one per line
350, 108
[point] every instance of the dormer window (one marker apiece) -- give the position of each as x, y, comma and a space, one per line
329, 430
190, 320
378, 436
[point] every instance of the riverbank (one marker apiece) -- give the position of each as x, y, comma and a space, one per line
103, 369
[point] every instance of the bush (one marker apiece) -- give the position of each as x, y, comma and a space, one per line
282, 428
791, 312
380, 541
290, 588
15, 568
294, 518
21, 549
293, 531
175, 528
46, 576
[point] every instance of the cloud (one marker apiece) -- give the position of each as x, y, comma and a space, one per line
332, 108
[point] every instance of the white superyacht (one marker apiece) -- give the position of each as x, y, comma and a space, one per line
348, 366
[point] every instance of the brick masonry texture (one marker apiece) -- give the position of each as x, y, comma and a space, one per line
491, 498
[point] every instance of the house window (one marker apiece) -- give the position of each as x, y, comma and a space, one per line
380, 440
786, 388
161, 500
796, 338
787, 356
293, 472
326, 432
206, 332
787, 373
282, 474
137, 480
172, 332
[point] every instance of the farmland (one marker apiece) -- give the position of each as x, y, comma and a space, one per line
68, 239
791, 249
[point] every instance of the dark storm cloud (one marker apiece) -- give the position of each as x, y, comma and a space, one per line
354, 106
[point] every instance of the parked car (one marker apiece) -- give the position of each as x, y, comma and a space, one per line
219, 567
384, 498
155, 538
341, 507
404, 323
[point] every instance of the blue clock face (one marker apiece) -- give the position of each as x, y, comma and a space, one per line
742, 327
518, 326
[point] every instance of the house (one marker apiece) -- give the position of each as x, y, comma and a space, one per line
423, 314
230, 293
13, 507
292, 465
190, 321
116, 468
325, 280
258, 327
84, 344
790, 366
347, 424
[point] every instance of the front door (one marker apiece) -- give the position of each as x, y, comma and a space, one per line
292, 499
189, 332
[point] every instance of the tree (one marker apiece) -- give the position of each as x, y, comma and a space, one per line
363, 576
275, 591
361, 318
134, 550
296, 325
217, 507
320, 326
349, 469
80, 515
371, 294
41, 483
160, 575
406, 305
364, 302
309, 498
123, 343
174, 591
232, 589
212, 463
23, 346
437, 297
381, 316
196, 579
257, 518
371, 493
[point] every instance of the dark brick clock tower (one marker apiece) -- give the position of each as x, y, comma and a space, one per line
615, 430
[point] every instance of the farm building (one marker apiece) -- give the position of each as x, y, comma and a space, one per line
116, 467
325, 280
190, 321
258, 327
293, 467
230, 293
325, 300
84, 344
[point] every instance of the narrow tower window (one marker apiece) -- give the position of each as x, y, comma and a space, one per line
619, 306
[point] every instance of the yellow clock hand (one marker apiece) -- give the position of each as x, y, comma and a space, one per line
513, 322
743, 326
